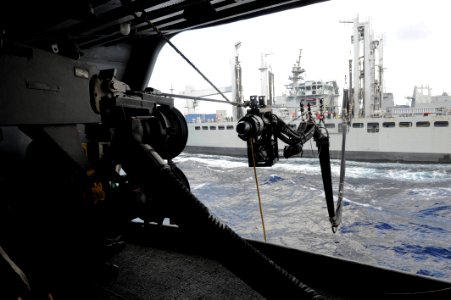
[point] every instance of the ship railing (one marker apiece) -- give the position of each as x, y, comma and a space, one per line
415, 111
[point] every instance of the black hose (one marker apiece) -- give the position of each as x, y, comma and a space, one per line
326, 173
237, 254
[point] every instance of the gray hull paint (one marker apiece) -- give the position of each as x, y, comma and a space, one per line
394, 143
403, 157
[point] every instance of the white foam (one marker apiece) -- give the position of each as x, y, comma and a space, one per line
199, 186
362, 204
358, 170
213, 161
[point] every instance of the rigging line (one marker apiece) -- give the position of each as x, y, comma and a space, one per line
336, 220
182, 55
258, 190
420, 292
200, 99
15, 268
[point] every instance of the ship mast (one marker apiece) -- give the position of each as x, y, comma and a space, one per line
368, 70
267, 80
296, 77
237, 86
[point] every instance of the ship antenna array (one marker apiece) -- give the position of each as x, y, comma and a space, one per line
157, 30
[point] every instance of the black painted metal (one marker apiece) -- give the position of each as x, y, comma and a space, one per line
42, 88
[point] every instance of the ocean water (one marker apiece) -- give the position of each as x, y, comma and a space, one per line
395, 215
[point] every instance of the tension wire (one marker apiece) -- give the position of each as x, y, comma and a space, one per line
346, 120
155, 28
258, 189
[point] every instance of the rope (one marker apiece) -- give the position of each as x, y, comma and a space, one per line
258, 189
15, 268
337, 219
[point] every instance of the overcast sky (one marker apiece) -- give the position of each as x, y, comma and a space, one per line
417, 45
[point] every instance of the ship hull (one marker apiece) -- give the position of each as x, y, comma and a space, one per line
416, 139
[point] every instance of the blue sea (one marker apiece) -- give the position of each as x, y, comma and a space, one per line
395, 215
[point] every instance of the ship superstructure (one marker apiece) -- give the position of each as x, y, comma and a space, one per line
308, 92
368, 70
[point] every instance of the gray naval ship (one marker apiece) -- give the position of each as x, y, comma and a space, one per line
86, 148
378, 130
